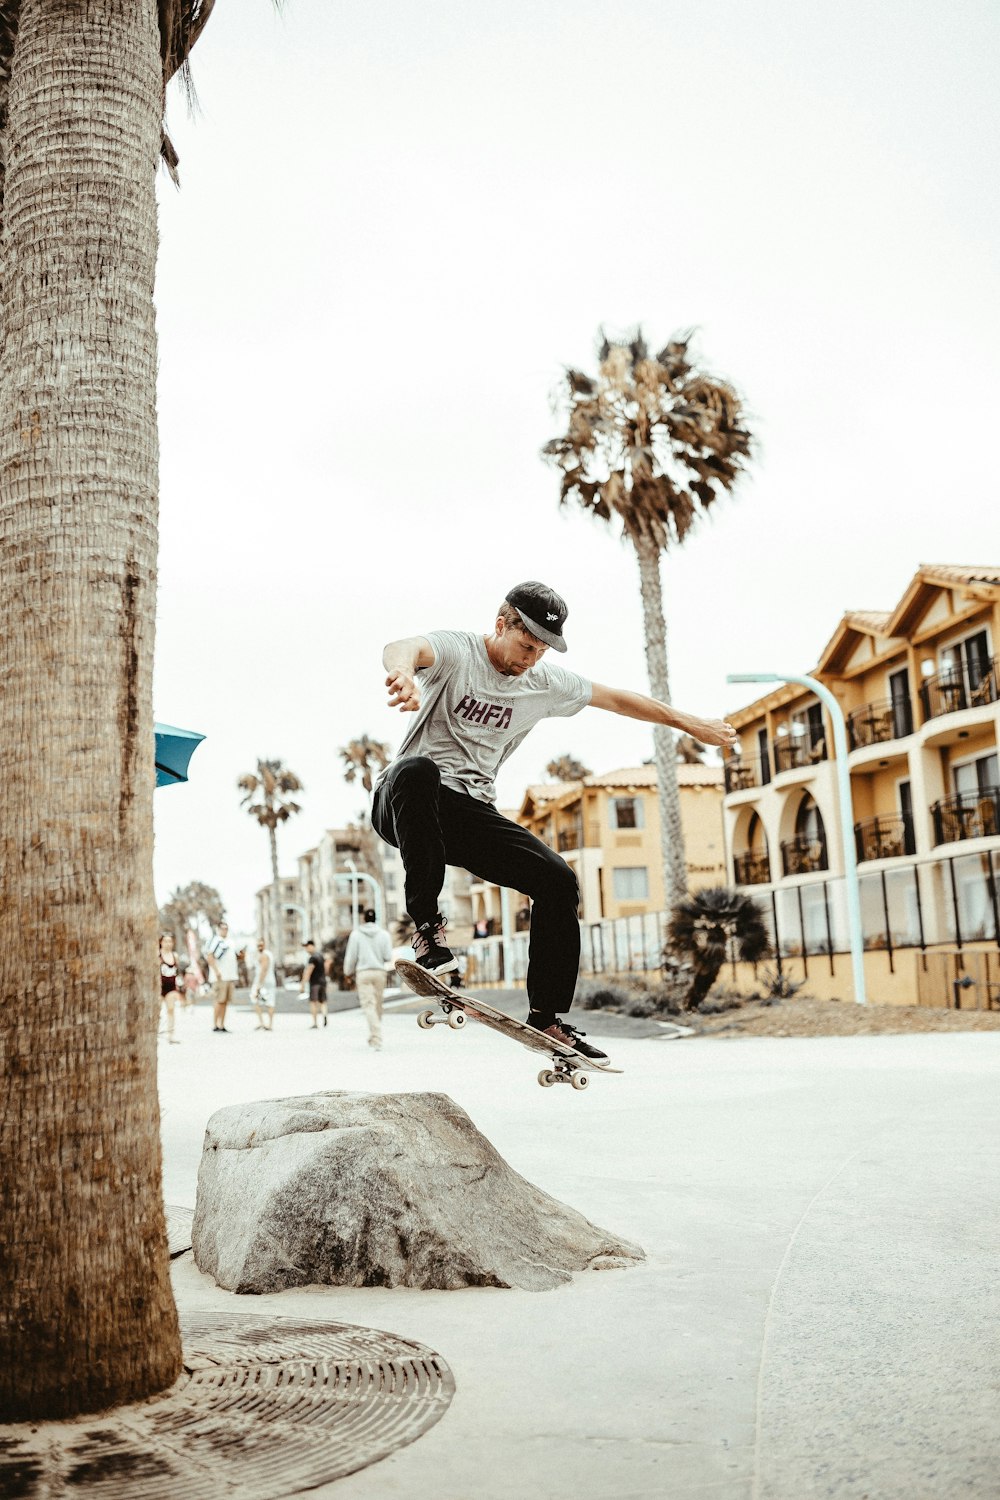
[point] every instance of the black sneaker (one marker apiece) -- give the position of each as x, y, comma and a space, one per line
562, 1031
429, 948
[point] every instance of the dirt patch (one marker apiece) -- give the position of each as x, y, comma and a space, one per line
804, 1017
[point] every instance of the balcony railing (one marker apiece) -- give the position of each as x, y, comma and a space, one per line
752, 869
801, 856
791, 754
949, 692
874, 723
569, 838
970, 815
884, 838
742, 771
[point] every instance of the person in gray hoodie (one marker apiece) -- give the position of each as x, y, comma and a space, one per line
368, 952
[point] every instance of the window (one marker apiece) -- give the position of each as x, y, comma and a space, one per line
631, 884
968, 660
626, 812
899, 695
807, 726
765, 759
977, 776
808, 822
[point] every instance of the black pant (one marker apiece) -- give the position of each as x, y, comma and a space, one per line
431, 825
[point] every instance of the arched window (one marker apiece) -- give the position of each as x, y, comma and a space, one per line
807, 851
809, 821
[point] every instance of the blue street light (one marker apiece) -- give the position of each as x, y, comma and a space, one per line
846, 813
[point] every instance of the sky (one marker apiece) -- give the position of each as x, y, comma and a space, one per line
397, 226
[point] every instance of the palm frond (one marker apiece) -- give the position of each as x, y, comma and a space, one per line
654, 441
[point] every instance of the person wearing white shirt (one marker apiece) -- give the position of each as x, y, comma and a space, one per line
221, 955
369, 953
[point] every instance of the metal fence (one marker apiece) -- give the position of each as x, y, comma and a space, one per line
930, 903
949, 901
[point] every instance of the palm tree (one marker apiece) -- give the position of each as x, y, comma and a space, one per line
710, 926
689, 752
565, 768
87, 1319
363, 759
652, 441
266, 798
191, 908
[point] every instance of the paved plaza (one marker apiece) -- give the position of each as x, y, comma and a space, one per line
818, 1312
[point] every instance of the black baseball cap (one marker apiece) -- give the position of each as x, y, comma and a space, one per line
542, 610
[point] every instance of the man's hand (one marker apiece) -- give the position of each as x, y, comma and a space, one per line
403, 692
714, 732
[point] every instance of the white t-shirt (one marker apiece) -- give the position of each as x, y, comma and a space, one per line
472, 717
224, 952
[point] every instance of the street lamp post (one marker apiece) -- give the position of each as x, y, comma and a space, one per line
354, 877
846, 812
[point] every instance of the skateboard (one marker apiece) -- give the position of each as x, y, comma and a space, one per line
567, 1065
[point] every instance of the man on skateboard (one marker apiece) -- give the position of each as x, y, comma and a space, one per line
475, 698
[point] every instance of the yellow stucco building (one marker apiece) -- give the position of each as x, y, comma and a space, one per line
607, 828
918, 686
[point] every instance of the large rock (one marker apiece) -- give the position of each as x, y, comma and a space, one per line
356, 1189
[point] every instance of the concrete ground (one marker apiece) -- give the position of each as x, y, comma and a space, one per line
818, 1313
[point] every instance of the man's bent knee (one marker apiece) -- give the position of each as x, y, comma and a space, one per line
559, 884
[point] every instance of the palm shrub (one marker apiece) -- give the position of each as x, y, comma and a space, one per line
709, 927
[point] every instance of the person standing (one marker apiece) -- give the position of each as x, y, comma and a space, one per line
264, 993
168, 980
221, 955
369, 953
314, 983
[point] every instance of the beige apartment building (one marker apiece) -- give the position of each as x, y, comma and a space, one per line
607, 828
319, 901
918, 686
291, 922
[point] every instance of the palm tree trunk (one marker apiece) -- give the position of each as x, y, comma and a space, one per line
277, 908
705, 975
664, 750
87, 1319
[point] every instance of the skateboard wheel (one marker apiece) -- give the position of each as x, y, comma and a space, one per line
456, 1019
546, 1079
425, 1020
580, 1080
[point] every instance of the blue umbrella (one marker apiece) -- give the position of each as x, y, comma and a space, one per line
174, 748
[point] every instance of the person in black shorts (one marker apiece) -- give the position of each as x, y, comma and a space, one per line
168, 981
314, 983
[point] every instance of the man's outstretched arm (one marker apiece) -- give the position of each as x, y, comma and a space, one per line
637, 706
401, 659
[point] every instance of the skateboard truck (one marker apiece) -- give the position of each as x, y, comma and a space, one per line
452, 1017
564, 1072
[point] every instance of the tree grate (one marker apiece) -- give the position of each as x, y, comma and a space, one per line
266, 1407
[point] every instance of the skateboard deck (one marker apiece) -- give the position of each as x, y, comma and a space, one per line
567, 1065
